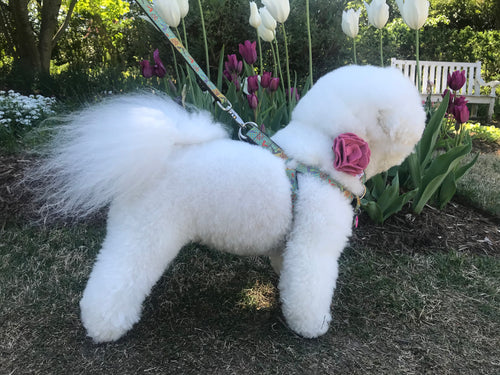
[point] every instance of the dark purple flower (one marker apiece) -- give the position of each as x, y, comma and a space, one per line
252, 101
253, 84
233, 65
159, 69
146, 69
265, 79
293, 91
274, 84
228, 75
248, 52
461, 113
456, 80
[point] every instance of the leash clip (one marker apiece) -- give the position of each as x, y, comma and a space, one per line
242, 137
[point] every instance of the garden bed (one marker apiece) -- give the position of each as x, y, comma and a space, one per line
416, 295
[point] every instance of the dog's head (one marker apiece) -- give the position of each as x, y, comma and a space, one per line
379, 105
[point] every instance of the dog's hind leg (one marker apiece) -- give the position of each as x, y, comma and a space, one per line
307, 281
133, 257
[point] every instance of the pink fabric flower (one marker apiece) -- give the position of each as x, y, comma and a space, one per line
352, 154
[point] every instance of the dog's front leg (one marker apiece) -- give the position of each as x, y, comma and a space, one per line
322, 225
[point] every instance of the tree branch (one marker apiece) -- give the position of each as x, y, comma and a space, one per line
63, 27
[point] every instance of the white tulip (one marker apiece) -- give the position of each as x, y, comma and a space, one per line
279, 9
414, 12
267, 19
169, 11
378, 13
255, 19
266, 34
183, 7
350, 22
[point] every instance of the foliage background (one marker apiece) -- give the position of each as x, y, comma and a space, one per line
106, 39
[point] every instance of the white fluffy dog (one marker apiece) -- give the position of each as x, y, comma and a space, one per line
173, 177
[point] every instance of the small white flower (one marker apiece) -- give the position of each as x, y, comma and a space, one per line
350, 22
268, 20
254, 19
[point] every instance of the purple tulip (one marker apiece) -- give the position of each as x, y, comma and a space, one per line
265, 79
159, 69
274, 84
293, 91
456, 80
252, 101
253, 84
233, 65
146, 69
248, 52
461, 113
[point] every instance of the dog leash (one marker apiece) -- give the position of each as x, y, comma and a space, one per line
253, 133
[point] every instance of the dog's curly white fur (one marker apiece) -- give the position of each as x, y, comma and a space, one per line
173, 177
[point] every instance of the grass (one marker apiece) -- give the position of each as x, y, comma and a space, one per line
213, 313
481, 184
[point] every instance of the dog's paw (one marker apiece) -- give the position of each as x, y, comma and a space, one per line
309, 327
107, 321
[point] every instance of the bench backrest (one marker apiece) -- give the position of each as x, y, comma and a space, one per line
435, 74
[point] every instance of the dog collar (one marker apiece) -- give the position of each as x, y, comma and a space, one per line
261, 139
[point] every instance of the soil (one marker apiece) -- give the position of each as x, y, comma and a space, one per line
457, 226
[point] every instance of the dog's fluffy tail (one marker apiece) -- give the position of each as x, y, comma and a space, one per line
116, 148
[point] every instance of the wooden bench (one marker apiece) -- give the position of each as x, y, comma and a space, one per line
435, 76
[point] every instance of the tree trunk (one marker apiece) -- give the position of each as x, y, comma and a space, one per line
50, 10
26, 45
35, 52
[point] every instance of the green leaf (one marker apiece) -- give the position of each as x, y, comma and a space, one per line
447, 190
374, 211
436, 173
427, 144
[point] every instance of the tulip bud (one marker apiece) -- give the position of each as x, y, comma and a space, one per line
461, 113
252, 101
265, 79
266, 34
254, 19
233, 65
378, 13
350, 22
169, 11
414, 12
268, 20
274, 84
252, 84
248, 51
183, 7
456, 80
293, 92
158, 69
146, 69
279, 9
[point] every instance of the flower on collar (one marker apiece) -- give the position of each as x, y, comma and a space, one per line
352, 154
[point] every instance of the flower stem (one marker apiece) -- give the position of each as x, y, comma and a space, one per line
381, 50
175, 65
279, 64
260, 54
204, 39
287, 62
309, 41
185, 35
354, 45
419, 83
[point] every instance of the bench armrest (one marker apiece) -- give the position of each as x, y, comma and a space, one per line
492, 84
